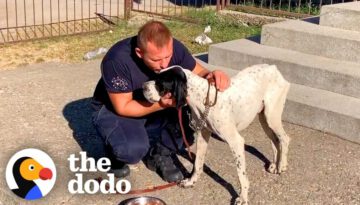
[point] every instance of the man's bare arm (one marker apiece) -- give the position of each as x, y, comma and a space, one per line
221, 80
126, 106
200, 70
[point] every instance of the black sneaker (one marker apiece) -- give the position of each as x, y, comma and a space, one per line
119, 169
160, 160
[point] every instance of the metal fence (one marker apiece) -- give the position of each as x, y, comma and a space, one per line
286, 8
32, 19
292, 7
173, 8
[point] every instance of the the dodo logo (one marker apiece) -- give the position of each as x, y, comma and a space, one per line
30, 174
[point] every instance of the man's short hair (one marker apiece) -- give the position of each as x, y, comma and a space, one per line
155, 32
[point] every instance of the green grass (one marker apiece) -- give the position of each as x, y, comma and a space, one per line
219, 33
221, 29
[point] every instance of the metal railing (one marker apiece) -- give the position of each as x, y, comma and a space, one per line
283, 7
172, 8
22, 20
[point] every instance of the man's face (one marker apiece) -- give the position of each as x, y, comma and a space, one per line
156, 58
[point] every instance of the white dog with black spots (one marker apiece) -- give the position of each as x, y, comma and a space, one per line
259, 89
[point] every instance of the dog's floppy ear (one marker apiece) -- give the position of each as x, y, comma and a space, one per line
180, 90
173, 81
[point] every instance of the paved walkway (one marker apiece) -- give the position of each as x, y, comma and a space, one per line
46, 106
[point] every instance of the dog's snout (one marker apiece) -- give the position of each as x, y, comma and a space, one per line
150, 92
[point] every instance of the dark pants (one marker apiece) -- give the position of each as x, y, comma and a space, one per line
130, 139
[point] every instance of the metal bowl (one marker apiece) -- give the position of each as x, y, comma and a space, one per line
145, 200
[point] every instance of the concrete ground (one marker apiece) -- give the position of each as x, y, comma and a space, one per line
46, 106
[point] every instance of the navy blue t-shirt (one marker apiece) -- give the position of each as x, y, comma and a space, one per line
123, 71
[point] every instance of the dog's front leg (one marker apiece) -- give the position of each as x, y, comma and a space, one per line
237, 146
202, 139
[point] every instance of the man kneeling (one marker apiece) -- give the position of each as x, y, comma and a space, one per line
132, 128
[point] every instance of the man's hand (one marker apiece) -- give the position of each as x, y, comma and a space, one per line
167, 101
221, 80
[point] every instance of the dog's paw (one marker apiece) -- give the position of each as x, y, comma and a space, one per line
272, 169
276, 170
282, 169
186, 183
239, 201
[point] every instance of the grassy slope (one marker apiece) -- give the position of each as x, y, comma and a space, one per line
72, 48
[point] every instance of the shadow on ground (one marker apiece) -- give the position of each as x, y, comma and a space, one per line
78, 114
207, 170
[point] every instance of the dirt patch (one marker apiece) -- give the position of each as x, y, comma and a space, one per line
67, 49
27, 53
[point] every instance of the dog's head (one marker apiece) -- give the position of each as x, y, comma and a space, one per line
173, 81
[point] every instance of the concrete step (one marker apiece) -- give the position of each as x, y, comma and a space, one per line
344, 16
313, 39
315, 108
313, 71
323, 110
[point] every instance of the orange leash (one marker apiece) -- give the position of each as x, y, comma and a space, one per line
183, 133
